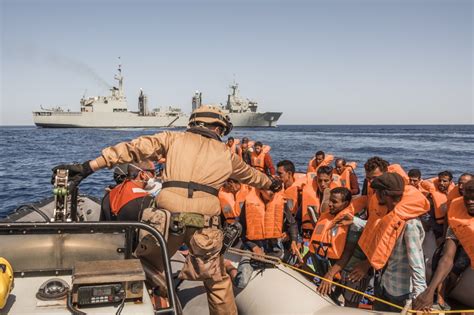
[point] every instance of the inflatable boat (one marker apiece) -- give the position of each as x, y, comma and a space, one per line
40, 251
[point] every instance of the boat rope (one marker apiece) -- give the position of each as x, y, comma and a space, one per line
277, 261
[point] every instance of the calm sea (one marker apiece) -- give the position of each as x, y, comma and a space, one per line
28, 153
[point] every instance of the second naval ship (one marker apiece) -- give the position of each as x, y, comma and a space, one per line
112, 112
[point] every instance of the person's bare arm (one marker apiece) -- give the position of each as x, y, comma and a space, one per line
341, 263
424, 301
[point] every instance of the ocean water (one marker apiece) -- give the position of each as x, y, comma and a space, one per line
28, 153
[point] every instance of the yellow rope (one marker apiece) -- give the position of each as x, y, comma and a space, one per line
374, 297
278, 261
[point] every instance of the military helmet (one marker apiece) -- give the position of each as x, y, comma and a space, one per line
211, 115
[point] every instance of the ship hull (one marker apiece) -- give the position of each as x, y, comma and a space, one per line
132, 120
268, 119
106, 120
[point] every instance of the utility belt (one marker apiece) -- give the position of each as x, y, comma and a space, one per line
179, 221
176, 222
191, 187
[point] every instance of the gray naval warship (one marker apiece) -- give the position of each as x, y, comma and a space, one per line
112, 112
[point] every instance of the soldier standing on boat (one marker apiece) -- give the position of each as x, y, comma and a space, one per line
197, 165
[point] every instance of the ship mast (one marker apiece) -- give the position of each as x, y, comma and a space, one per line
232, 96
119, 78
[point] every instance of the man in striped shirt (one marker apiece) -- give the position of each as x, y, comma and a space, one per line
402, 274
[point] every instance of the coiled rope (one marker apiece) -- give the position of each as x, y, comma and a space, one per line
277, 261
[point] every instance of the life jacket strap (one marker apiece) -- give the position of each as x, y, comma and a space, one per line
191, 187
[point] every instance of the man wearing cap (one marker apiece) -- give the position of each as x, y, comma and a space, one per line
197, 165
392, 241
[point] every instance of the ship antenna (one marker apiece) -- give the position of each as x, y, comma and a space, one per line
234, 86
119, 77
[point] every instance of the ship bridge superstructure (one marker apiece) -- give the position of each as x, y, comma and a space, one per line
237, 104
115, 102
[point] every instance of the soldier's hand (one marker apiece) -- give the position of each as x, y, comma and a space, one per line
276, 185
77, 172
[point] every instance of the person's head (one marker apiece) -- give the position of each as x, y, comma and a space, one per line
323, 177
258, 147
469, 197
375, 166
389, 189
414, 176
120, 173
285, 171
340, 165
232, 186
244, 144
141, 172
339, 199
319, 157
230, 141
445, 179
463, 179
211, 118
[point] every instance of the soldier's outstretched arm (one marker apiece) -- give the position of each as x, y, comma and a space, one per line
142, 148
248, 175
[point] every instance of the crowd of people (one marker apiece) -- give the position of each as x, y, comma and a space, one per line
202, 191
322, 221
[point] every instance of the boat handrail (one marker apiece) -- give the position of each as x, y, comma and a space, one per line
12, 228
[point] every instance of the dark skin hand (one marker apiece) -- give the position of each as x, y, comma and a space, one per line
359, 271
424, 301
325, 287
296, 250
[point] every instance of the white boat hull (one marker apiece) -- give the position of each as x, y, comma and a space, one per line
106, 120
133, 120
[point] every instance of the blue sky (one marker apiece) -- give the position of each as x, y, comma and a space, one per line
320, 62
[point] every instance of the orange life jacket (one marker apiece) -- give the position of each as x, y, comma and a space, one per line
440, 204
232, 205
310, 199
453, 194
312, 163
328, 240
123, 193
233, 148
292, 192
463, 226
440, 199
383, 229
360, 203
258, 161
264, 221
344, 179
392, 168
